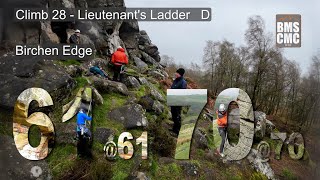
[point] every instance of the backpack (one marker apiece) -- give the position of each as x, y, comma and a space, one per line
97, 71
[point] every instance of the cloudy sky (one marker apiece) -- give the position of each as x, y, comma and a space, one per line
185, 40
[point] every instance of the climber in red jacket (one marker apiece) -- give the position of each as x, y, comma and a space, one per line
119, 60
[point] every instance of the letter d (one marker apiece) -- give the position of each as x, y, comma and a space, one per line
205, 15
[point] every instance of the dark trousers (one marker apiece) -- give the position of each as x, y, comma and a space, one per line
223, 133
176, 117
83, 146
117, 74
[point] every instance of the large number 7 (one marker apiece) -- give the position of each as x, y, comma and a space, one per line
195, 99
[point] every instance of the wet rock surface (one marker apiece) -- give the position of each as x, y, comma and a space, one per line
15, 166
19, 74
102, 135
131, 116
106, 86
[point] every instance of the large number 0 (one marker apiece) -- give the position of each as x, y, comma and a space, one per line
195, 99
242, 149
22, 123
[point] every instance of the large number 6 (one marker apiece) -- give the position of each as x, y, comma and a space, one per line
22, 123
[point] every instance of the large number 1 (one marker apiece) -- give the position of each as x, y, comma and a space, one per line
22, 123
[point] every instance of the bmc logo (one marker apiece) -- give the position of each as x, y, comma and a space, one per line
288, 30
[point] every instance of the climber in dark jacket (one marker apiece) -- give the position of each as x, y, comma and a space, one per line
178, 83
75, 38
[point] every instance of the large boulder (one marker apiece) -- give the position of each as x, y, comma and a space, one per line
148, 59
158, 107
97, 96
129, 31
200, 139
143, 81
103, 63
260, 124
157, 57
270, 127
146, 102
156, 94
144, 38
74, 70
140, 64
132, 82
259, 164
11, 159
131, 116
151, 49
65, 133
18, 74
157, 75
47, 34
106, 86
102, 135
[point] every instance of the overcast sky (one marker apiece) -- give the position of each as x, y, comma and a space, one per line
185, 40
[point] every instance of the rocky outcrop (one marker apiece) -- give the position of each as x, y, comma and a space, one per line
200, 139
19, 74
144, 81
12, 158
107, 86
148, 59
260, 124
97, 96
158, 107
132, 82
156, 94
140, 64
65, 133
103, 63
131, 116
258, 164
102, 135
146, 102
263, 127
150, 104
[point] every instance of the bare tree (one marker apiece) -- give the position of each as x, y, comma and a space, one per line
260, 44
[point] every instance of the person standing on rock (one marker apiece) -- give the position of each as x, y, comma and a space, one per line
222, 120
178, 83
119, 60
75, 38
